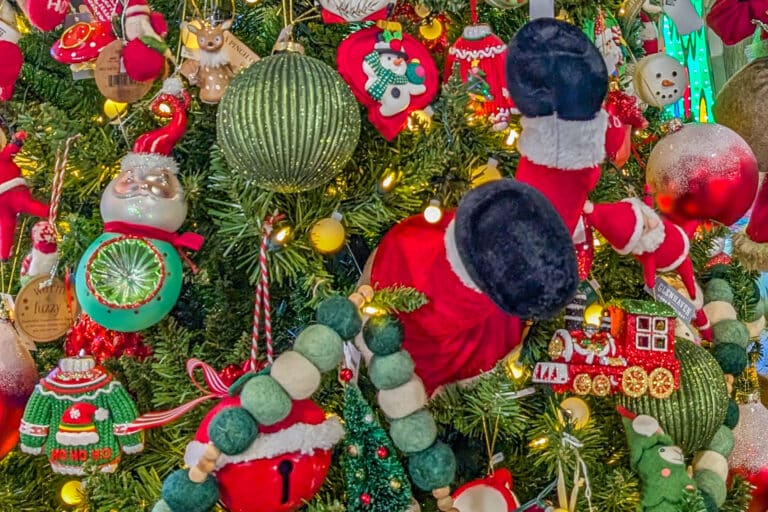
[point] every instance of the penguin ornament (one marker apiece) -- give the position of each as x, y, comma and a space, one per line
130, 277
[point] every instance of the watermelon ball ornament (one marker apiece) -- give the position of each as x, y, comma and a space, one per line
288, 123
130, 277
703, 172
283, 467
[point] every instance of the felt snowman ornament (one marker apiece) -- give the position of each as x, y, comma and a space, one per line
491, 494
10, 53
660, 80
43, 256
389, 72
130, 277
351, 11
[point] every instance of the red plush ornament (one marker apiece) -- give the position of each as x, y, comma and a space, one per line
733, 20
282, 469
491, 494
480, 52
391, 73
12, 59
623, 116
702, 172
145, 31
19, 376
103, 343
15, 197
45, 14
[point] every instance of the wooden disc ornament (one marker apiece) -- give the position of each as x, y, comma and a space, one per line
112, 80
45, 313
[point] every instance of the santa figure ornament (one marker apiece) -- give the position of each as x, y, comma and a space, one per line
491, 494
389, 72
15, 197
632, 227
480, 55
609, 40
130, 277
43, 256
285, 465
145, 52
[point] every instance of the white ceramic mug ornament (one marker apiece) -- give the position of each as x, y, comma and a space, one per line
660, 80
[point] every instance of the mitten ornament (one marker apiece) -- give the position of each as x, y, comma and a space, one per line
632, 227
389, 72
130, 277
145, 50
43, 256
45, 14
15, 197
501, 229
349, 11
10, 54
76, 416
661, 465
210, 69
479, 56
558, 81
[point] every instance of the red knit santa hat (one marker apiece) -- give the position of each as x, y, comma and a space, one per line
77, 427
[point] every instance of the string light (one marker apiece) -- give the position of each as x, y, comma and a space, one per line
539, 443
515, 371
593, 314
433, 212
372, 310
72, 493
512, 137
388, 181
164, 109
282, 235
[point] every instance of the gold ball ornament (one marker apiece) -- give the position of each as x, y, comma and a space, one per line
577, 409
431, 30
593, 314
72, 493
328, 235
114, 109
486, 173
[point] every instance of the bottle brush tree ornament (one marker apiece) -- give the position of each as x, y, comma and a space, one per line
130, 277
76, 417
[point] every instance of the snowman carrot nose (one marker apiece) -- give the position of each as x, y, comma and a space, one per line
667, 83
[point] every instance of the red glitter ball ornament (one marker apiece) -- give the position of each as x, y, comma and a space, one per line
346, 374
91, 338
365, 499
382, 452
231, 373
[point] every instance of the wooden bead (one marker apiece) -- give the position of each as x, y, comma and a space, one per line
454, 509
206, 465
211, 452
197, 476
445, 504
442, 492
366, 291
357, 299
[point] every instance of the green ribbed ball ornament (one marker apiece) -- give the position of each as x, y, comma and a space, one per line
288, 123
694, 412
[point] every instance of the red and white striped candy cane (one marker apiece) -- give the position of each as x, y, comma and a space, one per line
262, 304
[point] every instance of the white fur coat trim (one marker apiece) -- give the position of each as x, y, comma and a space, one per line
12, 183
454, 259
639, 243
567, 145
301, 437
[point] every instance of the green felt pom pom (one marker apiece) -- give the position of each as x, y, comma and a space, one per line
722, 441
183, 495
718, 289
232, 430
732, 414
161, 506
321, 345
389, 372
433, 468
709, 502
341, 315
415, 432
731, 357
757, 310
265, 399
731, 331
383, 335
710, 483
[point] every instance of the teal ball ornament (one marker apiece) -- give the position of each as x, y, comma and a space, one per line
128, 283
232, 430
433, 468
288, 123
181, 493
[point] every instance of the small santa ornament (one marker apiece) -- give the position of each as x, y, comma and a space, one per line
43, 256
15, 197
491, 494
145, 52
282, 469
632, 227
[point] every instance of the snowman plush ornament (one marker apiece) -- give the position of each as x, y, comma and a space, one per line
392, 78
659, 80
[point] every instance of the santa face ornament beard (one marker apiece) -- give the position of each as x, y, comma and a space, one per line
148, 197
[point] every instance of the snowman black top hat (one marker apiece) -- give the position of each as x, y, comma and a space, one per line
390, 45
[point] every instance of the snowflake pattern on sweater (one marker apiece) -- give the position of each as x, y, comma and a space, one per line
77, 417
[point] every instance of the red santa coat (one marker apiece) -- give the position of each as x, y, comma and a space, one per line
445, 345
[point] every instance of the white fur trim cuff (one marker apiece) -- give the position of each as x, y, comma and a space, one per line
640, 243
560, 144
147, 161
12, 183
454, 260
77, 438
31, 450
137, 10
301, 437
136, 448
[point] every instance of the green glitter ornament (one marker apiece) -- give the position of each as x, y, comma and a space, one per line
288, 123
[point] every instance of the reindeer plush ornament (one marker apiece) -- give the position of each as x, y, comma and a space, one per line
211, 69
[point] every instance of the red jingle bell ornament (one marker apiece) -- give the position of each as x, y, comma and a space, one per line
284, 467
491, 494
702, 172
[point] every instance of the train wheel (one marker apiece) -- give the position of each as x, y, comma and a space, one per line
661, 383
582, 384
634, 381
601, 385
556, 347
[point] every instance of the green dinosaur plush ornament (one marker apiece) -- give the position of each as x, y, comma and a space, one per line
660, 464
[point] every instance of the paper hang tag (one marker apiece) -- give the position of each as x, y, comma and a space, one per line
541, 9
683, 14
665, 293
111, 78
9, 33
240, 56
352, 359
497, 459
44, 313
